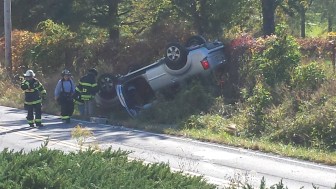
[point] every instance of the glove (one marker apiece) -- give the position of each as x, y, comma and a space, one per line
76, 96
44, 96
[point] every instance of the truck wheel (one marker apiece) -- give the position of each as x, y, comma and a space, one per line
176, 56
106, 83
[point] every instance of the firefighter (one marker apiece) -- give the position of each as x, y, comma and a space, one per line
85, 93
34, 93
64, 92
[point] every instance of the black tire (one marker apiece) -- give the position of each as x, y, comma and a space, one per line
106, 83
176, 56
195, 40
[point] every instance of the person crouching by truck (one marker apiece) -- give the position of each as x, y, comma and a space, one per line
64, 92
85, 93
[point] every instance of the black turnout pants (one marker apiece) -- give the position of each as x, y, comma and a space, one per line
67, 109
30, 115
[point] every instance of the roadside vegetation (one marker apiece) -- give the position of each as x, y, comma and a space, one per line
44, 168
277, 94
286, 105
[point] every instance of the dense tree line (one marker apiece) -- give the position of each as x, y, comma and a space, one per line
136, 19
205, 16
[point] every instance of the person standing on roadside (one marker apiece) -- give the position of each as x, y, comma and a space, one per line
64, 92
85, 93
34, 93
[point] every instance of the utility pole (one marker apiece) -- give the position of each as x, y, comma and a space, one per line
8, 36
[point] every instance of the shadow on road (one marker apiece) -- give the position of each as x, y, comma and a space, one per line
14, 121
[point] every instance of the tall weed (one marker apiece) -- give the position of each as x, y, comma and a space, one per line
193, 98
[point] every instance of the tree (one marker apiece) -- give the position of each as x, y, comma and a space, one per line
301, 7
28, 14
327, 8
100, 13
211, 16
139, 16
268, 11
195, 11
248, 18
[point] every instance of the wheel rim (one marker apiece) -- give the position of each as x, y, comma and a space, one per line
173, 53
106, 83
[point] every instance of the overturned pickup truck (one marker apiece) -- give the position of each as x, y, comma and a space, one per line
136, 90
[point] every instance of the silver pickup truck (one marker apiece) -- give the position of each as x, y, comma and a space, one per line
137, 89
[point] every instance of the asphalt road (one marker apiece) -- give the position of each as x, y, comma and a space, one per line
218, 164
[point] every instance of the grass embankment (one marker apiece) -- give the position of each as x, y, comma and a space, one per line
223, 137
310, 154
38, 168
210, 128
234, 130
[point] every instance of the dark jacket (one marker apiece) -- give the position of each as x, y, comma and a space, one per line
33, 91
87, 87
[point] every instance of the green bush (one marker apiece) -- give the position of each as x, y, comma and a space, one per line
55, 46
44, 168
255, 113
308, 76
312, 126
280, 55
51, 47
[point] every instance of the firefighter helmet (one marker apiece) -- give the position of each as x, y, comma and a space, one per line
66, 72
93, 71
29, 73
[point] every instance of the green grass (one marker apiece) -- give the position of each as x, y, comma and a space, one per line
316, 30
310, 154
263, 145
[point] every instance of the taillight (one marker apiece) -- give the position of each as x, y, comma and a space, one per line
205, 64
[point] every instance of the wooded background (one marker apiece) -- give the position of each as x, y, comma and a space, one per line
119, 34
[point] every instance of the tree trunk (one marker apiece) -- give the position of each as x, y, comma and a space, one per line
303, 22
202, 17
330, 23
268, 12
197, 19
114, 32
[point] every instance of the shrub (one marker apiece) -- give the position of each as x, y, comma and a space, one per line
255, 113
305, 122
315, 48
52, 46
313, 126
11, 94
276, 61
21, 41
55, 46
215, 123
307, 76
44, 168
193, 98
